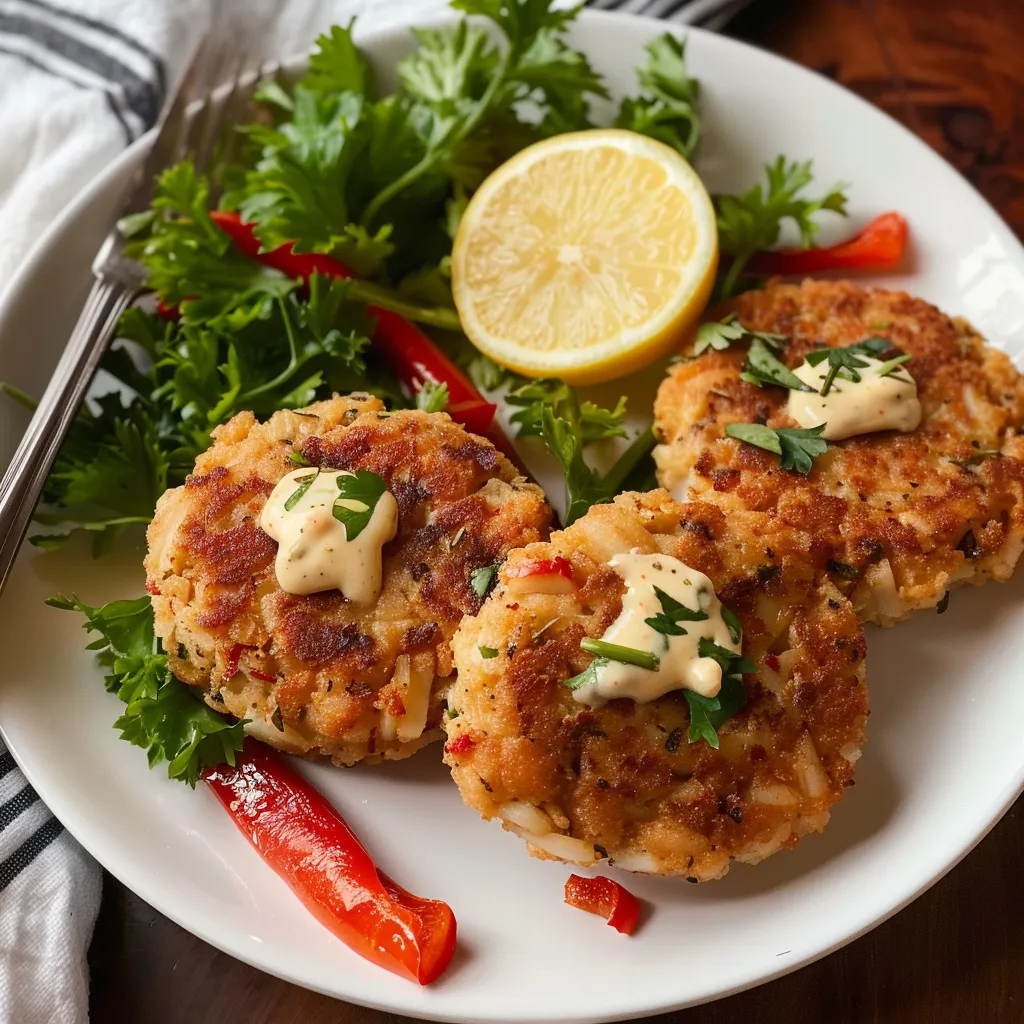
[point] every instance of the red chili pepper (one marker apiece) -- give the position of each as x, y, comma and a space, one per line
878, 247
601, 896
414, 358
304, 839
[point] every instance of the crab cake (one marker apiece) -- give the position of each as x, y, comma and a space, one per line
901, 517
620, 779
319, 674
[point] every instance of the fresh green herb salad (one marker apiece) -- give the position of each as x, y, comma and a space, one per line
309, 262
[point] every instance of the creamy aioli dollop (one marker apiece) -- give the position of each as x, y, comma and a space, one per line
680, 666
314, 552
856, 407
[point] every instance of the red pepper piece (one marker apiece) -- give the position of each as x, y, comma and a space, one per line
557, 566
167, 312
406, 349
153, 587
266, 677
234, 656
607, 899
304, 839
879, 246
461, 744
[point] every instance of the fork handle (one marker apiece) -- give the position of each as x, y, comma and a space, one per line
31, 462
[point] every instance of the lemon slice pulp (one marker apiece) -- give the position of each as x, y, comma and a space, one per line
585, 256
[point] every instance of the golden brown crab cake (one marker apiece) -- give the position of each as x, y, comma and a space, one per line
622, 781
902, 517
318, 674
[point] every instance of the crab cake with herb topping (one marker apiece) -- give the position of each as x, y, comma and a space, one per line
901, 517
318, 673
583, 774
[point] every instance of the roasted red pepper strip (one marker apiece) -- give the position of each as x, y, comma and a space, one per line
406, 349
301, 836
607, 899
878, 247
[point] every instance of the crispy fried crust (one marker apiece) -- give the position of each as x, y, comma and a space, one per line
316, 674
623, 780
899, 519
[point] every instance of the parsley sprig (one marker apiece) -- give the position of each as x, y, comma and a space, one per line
847, 360
796, 446
752, 222
722, 334
672, 613
551, 410
161, 715
358, 494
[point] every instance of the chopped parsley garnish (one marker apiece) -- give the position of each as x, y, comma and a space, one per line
847, 361
488, 652
588, 676
617, 652
721, 334
304, 482
764, 367
481, 579
976, 458
432, 397
732, 624
360, 488
672, 612
298, 458
708, 714
894, 364
796, 446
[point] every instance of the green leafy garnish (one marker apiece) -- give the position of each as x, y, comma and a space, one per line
721, 334
304, 482
797, 446
752, 222
488, 652
732, 623
976, 458
763, 367
551, 411
162, 715
672, 612
709, 714
588, 676
846, 361
362, 489
298, 458
617, 652
432, 397
668, 108
892, 365
483, 578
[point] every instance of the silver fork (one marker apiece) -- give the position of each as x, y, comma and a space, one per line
184, 127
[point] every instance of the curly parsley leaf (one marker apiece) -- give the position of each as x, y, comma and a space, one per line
358, 494
668, 107
551, 410
796, 446
162, 715
752, 222
722, 334
673, 612
432, 397
588, 676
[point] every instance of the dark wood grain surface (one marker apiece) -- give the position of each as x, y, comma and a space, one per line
953, 72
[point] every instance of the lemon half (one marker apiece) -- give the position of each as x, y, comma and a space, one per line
585, 257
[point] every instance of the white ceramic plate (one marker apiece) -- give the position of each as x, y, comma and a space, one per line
945, 750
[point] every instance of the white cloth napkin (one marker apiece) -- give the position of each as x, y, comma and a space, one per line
79, 80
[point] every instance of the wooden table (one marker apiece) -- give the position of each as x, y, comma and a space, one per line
953, 72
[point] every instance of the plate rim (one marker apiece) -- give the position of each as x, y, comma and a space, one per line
841, 936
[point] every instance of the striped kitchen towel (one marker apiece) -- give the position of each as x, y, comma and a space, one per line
80, 80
